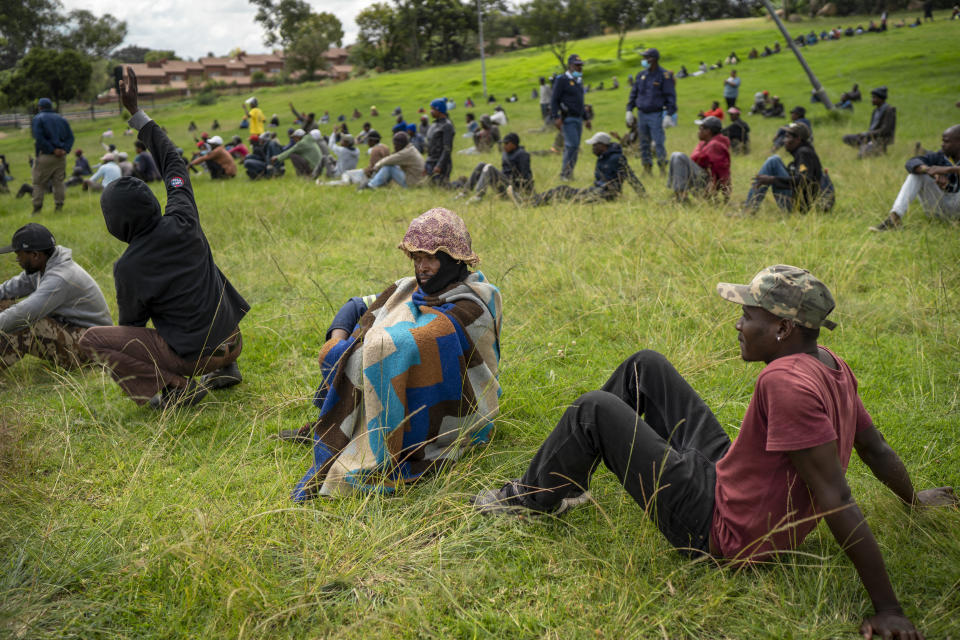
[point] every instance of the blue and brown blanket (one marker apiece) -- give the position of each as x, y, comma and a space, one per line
413, 386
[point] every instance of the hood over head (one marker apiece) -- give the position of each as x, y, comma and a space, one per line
129, 208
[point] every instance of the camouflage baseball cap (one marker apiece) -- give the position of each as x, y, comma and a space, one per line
787, 292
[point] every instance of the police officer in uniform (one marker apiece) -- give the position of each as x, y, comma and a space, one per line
567, 110
654, 92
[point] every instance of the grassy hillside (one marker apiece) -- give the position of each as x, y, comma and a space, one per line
119, 522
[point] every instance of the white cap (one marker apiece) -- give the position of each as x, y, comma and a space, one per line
215, 140
315, 134
108, 157
600, 137
299, 133
250, 100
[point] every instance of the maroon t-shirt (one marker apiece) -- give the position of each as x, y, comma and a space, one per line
762, 505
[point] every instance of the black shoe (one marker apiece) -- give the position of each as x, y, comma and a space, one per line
175, 397
36, 211
24, 190
890, 223
303, 435
58, 207
223, 378
506, 500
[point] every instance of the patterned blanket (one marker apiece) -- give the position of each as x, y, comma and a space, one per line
413, 387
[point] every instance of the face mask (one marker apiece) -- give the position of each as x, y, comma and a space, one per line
576, 74
645, 63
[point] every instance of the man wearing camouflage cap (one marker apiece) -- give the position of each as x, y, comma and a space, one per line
739, 500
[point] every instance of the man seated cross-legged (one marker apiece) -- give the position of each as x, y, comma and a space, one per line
763, 492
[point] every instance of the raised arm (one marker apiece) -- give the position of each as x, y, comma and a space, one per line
176, 177
819, 467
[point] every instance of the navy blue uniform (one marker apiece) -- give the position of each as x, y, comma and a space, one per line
567, 100
653, 91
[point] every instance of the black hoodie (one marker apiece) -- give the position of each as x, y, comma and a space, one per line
167, 274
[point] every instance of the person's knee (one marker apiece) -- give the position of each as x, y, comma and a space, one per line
94, 339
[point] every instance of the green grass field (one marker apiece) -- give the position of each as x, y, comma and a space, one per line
117, 522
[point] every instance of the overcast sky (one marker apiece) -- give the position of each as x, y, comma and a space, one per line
194, 27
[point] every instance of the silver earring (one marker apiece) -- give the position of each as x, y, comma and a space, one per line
779, 338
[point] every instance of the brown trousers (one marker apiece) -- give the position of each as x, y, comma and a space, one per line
47, 338
49, 168
143, 363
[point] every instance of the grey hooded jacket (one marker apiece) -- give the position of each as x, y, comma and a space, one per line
64, 291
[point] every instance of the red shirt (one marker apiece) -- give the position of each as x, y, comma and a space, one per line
714, 156
718, 112
762, 505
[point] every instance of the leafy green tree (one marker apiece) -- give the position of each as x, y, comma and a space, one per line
58, 75
554, 23
310, 41
85, 32
380, 39
623, 15
131, 54
155, 55
281, 20
25, 24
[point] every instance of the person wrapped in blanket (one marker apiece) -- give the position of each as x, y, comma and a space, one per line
410, 377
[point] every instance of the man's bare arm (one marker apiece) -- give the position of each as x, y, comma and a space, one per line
819, 467
887, 467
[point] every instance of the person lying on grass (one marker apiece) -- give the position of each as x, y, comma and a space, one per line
762, 493
166, 275
409, 377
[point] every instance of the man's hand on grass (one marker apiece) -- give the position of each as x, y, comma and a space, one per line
889, 626
128, 92
938, 497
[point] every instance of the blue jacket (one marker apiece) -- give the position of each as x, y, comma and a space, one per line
936, 159
567, 100
51, 131
654, 91
612, 170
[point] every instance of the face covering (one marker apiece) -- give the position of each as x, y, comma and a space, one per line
450, 271
645, 63
576, 74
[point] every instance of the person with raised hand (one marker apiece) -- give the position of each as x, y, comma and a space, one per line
166, 275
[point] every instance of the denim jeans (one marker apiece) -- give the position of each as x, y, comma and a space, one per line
652, 430
784, 197
386, 174
572, 128
650, 126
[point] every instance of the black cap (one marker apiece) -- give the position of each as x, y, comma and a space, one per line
373, 134
880, 92
30, 237
512, 137
651, 53
799, 111
574, 59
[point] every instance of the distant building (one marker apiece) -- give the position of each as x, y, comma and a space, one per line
511, 43
180, 77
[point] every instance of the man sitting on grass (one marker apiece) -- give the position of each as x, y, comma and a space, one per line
166, 275
762, 493
706, 171
516, 174
934, 178
797, 186
46, 308
611, 172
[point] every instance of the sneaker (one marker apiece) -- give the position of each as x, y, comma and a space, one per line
175, 397
890, 223
303, 435
24, 190
460, 196
506, 500
475, 200
223, 377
